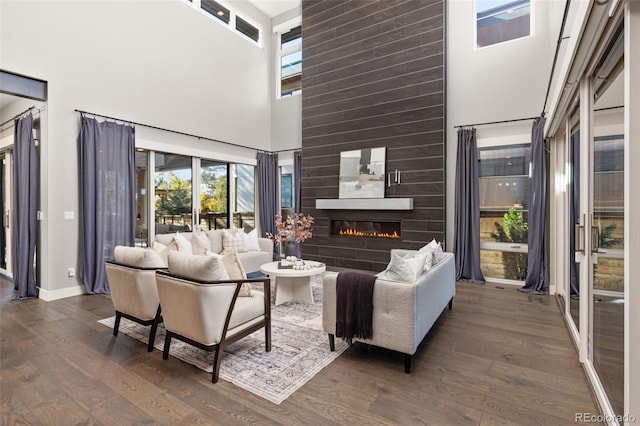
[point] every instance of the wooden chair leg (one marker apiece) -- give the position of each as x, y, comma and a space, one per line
332, 342
407, 363
154, 327
167, 344
217, 359
116, 325
267, 337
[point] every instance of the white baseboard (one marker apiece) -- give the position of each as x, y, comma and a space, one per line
49, 295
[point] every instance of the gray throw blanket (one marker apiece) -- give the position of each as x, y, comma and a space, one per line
354, 305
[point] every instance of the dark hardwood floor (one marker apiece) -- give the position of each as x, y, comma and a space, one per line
499, 357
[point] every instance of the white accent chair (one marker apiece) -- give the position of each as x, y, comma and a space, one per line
209, 314
132, 281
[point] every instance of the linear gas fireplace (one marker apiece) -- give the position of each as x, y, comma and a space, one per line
366, 228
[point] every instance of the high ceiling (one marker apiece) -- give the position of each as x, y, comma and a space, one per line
273, 8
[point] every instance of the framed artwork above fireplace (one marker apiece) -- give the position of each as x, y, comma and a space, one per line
362, 173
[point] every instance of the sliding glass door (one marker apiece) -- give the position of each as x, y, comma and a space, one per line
4, 209
185, 193
595, 200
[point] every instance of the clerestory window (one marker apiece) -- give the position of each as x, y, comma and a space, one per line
498, 21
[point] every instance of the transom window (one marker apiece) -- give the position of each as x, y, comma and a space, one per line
498, 21
290, 60
229, 18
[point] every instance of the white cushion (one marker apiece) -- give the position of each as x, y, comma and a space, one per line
233, 240
405, 267
438, 254
251, 241
162, 250
138, 257
203, 268
429, 250
215, 237
200, 242
183, 244
235, 271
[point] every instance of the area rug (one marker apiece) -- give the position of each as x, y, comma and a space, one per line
300, 349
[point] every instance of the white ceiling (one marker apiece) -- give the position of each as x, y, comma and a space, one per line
273, 8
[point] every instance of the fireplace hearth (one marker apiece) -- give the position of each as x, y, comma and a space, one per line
366, 228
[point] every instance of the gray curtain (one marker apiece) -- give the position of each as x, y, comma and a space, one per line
467, 209
297, 186
25, 208
268, 191
107, 184
537, 263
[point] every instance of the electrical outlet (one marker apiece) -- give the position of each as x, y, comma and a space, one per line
69, 215
71, 272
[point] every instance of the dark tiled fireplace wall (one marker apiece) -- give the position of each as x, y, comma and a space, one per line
373, 76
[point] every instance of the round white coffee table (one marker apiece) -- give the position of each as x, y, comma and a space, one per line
293, 284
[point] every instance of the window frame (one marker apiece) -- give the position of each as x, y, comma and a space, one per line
475, 27
281, 53
508, 247
232, 24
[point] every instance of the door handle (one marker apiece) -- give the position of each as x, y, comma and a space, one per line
595, 240
579, 236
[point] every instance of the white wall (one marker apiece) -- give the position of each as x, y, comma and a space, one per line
161, 63
286, 113
499, 82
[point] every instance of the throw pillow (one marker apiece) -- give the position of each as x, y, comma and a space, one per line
202, 268
429, 250
138, 257
183, 244
215, 237
200, 242
162, 250
438, 254
405, 268
251, 241
236, 272
232, 240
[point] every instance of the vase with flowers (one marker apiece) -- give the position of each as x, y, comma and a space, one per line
292, 229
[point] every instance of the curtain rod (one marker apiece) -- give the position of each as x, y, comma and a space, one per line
164, 130
496, 122
178, 132
18, 115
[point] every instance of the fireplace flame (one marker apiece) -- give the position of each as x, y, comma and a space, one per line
354, 233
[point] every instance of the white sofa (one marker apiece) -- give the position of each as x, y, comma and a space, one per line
403, 312
251, 260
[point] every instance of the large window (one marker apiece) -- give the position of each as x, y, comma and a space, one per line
290, 60
189, 193
142, 197
504, 196
244, 197
173, 193
501, 20
286, 186
213, 195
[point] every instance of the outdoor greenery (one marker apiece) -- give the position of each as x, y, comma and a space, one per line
173, 194
514, 229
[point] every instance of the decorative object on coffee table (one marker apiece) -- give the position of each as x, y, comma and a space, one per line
295, 228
